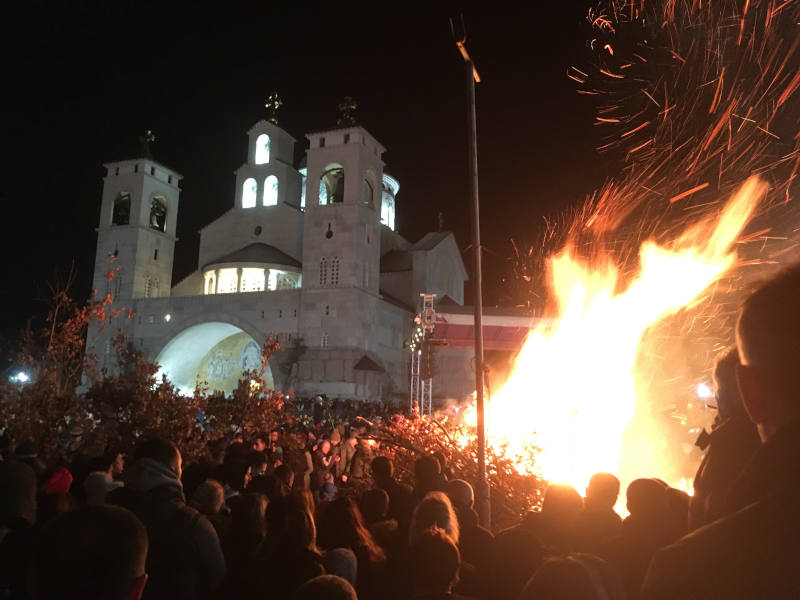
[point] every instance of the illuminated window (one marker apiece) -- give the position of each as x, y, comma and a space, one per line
271, 191
211, 282
252, 280
273, 280
335, 271
366, 194
387, 210
262, 149
158, 213
121, 214
332, 183
323, 271
249, 193
286, 281
228, 281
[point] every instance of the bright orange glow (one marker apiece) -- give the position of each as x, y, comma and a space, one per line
572, 390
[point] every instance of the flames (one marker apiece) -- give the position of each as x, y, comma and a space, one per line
572, 393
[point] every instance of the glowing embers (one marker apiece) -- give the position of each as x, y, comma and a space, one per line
572, 392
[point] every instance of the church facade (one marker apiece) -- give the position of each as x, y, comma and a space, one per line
308, 254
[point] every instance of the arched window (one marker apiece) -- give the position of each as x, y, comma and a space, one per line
303, 190
121, 214
211, 282
271, 191
262, 149
249, 193
323, 271
158, 213
332, 182
366, 194
335, 271
387, 210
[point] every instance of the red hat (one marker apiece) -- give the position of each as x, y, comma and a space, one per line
59, 483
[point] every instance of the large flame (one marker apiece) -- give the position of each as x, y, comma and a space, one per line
572, 391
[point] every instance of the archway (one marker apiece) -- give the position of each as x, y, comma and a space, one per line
214, 352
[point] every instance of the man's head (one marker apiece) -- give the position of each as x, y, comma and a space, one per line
374, 505
259, 443
561, 503
382, 468
273, 436
160, 451
603, 490
325, 447
17, 492
768, 337
461, 493
329, 587
92, 552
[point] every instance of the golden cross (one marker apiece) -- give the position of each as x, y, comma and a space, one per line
147, 139
272, 105
346, 112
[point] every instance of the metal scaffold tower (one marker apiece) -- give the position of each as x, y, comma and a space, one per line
421, 345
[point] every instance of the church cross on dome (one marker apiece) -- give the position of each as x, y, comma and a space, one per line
145, 140
347, 109
273, 105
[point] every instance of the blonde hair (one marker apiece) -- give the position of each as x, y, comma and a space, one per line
434, 510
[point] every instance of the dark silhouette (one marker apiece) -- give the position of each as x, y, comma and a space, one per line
752, 551
476, 543
574, 577
400, 494
329, 587
93, 552
518, 553
553, 525
435, 563
597, 523
185, 558
17, 517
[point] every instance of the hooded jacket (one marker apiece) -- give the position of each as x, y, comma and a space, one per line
185, 559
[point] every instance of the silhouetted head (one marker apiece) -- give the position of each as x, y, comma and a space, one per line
290, 525
426, 472
574, 577
460, 492
646, 497
435, 562
17, 492
518, 553
326, 587
374, 505
208, 497
434, 510
285, 475
729, 399
342, 526
382, 468
561, 503
768, 337
92, 552
161, 451
603, 490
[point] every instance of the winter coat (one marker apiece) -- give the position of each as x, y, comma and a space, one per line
752, 551
184, 559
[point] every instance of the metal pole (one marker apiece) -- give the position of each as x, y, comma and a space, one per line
483, 505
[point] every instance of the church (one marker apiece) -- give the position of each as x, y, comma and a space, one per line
307, 254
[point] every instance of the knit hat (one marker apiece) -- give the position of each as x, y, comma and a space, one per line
59, 482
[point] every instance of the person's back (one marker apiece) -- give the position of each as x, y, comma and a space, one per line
597, 523
435, 565
95, 552
476, 543
17, 517
400, 494
752, 551
185, 558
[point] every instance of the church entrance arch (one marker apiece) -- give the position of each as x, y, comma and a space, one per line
216, 353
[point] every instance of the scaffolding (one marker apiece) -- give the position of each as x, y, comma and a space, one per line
421, 392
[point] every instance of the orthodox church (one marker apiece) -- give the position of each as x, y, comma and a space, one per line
308, 254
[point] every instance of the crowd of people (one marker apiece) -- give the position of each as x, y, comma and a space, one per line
318, 514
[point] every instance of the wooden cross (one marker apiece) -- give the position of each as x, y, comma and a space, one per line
272, 105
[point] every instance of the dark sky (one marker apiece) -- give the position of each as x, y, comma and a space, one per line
84, 80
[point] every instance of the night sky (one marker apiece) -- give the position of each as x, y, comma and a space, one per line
83, 81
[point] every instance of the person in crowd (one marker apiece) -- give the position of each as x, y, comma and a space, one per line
476, 543
347, 452
235, 476
598, 523
323, 463
209, 500
289, 556
329, 587
336, 453
445, 474
185, 558
248, 527
374, 507
751, 552
435, 564
649, 526
260, 443
285, 477
100, 479
274, 451
555, 522
259, 464
574, 577
341, 562
434, 510
17, 518
93, 552
427, 477
362, 459
731, 444
27, 451
342, 526
400, 494
518, 553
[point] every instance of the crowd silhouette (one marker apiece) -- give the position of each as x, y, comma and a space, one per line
302, 514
